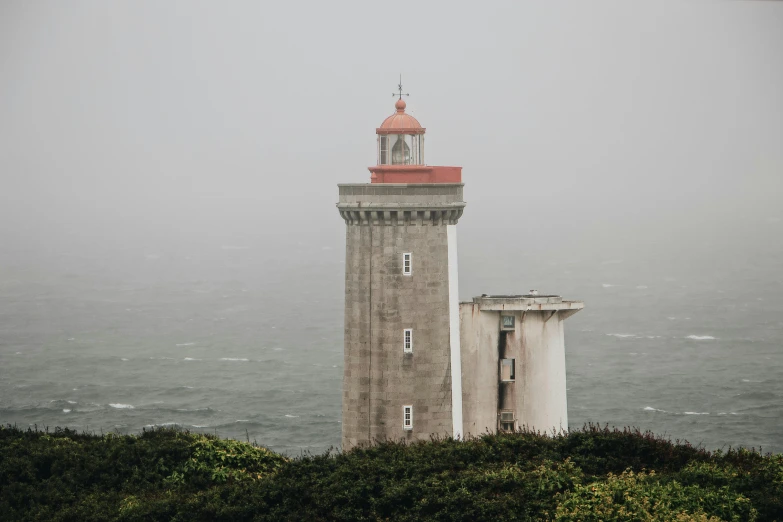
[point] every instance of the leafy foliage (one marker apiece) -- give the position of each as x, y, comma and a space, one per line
590, 474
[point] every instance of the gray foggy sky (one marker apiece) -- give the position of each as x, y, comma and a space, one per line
574, 121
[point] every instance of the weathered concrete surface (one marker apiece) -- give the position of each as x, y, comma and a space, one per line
537, 344
383, 222
479, 334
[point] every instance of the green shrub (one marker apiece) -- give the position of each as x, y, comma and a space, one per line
633, 496
590, 474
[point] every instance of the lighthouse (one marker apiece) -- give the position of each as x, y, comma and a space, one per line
417, 362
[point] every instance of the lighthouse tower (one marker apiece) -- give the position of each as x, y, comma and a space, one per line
418, 362
402, 360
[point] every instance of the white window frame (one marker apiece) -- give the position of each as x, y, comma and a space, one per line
407, 424
383, 149
407, 269
512, 421
407, 340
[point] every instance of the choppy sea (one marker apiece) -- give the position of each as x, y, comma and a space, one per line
241, 341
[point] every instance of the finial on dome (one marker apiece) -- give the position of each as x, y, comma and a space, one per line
400, 105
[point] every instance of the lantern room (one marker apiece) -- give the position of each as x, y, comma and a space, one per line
400, 139
401, 152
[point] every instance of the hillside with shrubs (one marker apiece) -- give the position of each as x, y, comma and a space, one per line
592, 474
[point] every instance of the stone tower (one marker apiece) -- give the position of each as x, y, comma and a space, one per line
402, 360
417, 361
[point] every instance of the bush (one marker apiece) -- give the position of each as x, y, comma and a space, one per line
589, 474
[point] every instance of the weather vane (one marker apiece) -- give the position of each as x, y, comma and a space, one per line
399, 88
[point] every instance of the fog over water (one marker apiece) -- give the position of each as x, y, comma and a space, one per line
170, 251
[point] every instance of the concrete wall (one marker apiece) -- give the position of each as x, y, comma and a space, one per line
538, 394
479, 333
380, 302
541, 377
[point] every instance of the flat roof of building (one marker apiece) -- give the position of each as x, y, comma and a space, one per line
529, 302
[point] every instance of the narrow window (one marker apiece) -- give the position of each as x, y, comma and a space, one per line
507, 370
507, 422
407, 417
406, 264
384, 149
407, 340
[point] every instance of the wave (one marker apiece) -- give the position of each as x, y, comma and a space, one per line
701, 337
122, 406
650, 408
234, 359
622, 336
292, 416
66, 411
190, 359
61, 401
607, 285
642, 287
186, 344
758, 395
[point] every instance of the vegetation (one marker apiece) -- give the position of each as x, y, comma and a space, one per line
593, 474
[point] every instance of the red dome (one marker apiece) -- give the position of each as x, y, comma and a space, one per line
400, 123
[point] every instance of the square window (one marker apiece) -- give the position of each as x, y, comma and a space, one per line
407, 340
406, 264
507, 422
407, 417
507, 322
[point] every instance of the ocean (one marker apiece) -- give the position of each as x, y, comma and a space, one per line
244, 340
